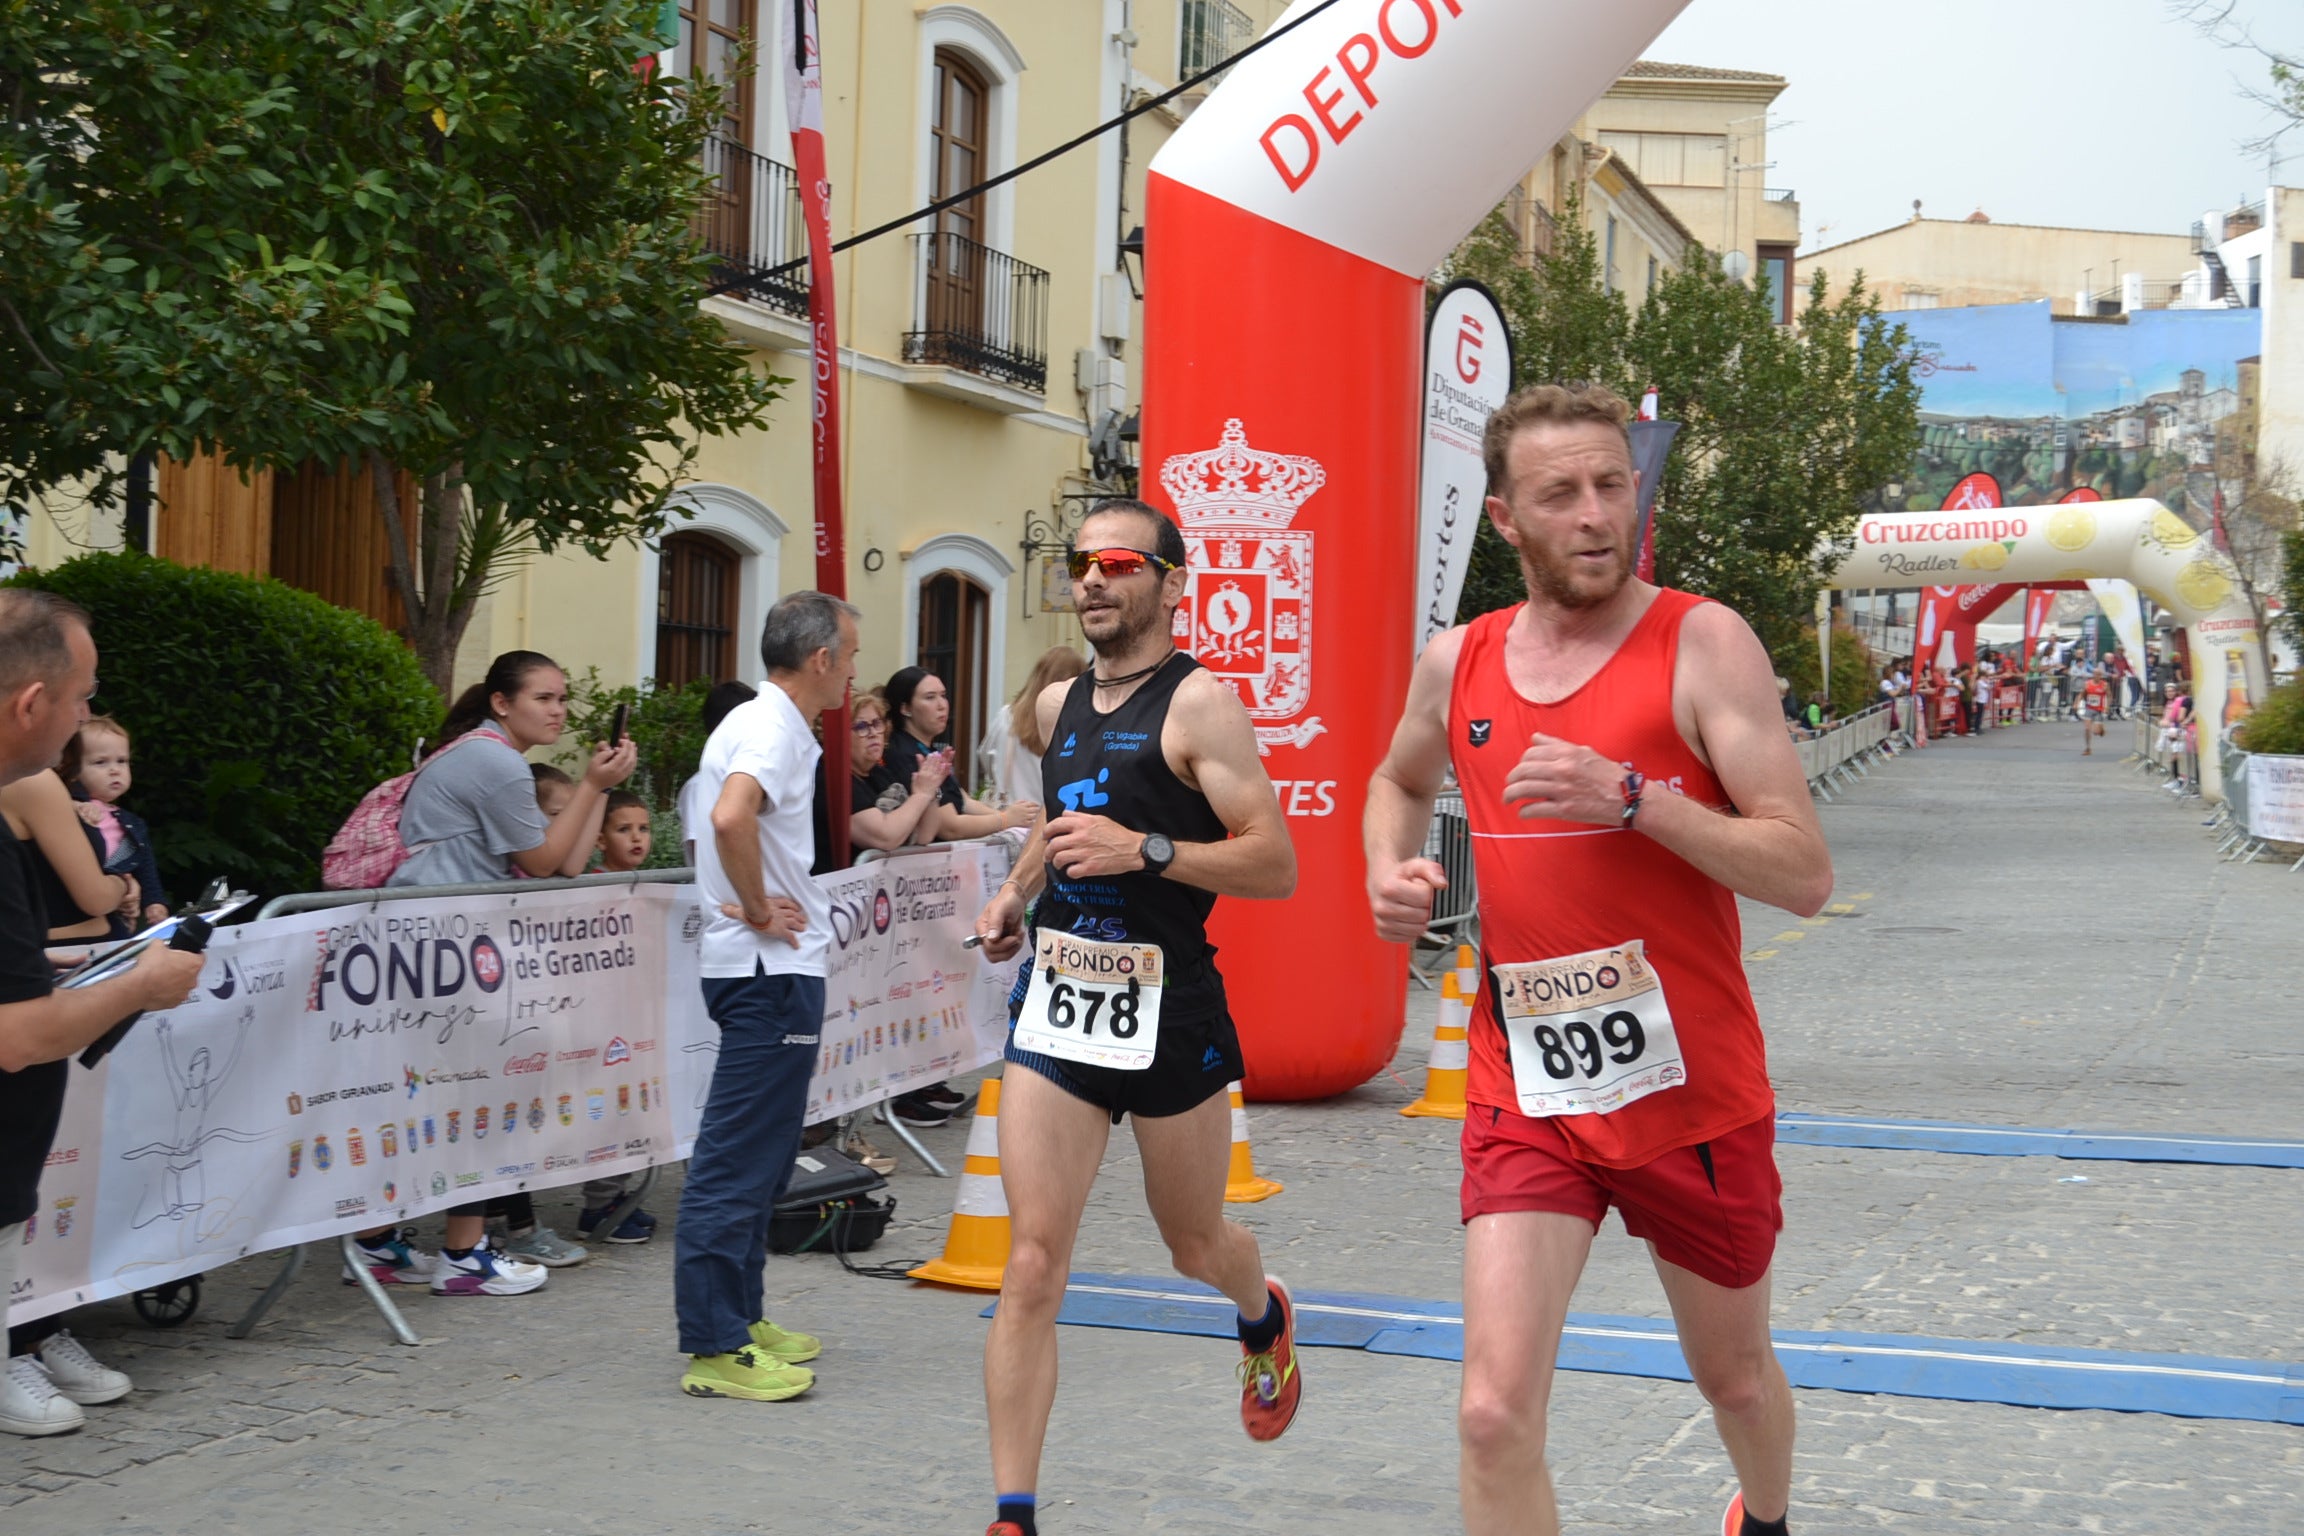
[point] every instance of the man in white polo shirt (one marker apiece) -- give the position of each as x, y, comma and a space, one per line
765, 949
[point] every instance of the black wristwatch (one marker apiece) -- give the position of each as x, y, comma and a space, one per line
1158, 853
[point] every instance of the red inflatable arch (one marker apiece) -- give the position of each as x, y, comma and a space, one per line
1289, 226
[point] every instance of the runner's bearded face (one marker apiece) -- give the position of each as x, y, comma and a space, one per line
1572, 512
1118, 611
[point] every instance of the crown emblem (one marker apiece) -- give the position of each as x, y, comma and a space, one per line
1235, 486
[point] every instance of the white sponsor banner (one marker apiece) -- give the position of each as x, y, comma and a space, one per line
2276, 798
358, 1066
1467, 374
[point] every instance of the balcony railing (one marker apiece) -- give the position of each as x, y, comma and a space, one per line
1212, 31
751, 222
979, 311
1778, 195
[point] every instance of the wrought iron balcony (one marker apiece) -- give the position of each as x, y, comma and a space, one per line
979, 311
751, 222
1778, 195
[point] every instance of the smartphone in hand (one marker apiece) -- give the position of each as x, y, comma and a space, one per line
616, 729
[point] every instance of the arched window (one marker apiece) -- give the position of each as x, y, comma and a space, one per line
696, 609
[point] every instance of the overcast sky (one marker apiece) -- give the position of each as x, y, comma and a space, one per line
2099, 114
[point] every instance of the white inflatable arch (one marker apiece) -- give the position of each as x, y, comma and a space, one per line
2138, 540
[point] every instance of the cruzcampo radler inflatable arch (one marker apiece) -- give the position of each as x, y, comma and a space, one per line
2135, 540
1289, 226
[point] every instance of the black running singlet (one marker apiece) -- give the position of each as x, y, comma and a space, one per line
1111, 765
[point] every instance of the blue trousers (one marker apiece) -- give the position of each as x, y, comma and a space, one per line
744, 1149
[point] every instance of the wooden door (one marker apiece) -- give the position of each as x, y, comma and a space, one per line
958, 139
696, 597
328, 537
213, 515
713, 37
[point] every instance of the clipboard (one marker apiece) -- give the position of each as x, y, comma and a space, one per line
106, 964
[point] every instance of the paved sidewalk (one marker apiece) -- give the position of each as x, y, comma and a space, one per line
2019, 936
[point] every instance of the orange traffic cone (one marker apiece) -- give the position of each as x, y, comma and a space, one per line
1241, 1185
1451, 1060
976, 1247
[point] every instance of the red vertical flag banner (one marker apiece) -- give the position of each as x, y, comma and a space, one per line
804, 99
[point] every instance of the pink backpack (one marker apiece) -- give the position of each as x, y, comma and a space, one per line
367, 848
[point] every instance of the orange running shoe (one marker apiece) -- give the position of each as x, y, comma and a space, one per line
1004, 1528
1732, 1522
1269, 1382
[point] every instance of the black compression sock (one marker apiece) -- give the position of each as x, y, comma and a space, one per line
1018, 1509
1754, 1527
1262, 1334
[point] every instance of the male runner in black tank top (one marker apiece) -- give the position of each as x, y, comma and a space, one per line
1159, 804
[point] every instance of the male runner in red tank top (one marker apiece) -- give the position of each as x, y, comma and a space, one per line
1626, 775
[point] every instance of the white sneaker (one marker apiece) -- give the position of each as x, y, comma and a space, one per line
79, 1375
30, 1403
394, 1259
485, 1272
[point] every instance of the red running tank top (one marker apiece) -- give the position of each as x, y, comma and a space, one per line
1553, 888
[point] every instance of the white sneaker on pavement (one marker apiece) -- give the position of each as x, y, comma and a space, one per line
485, 1272
79, 1375
31, 1405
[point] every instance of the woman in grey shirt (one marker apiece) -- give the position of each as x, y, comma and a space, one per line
471, 815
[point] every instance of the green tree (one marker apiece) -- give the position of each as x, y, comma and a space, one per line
442, 237
1785, 431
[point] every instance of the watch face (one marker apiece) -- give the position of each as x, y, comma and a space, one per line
1158, 851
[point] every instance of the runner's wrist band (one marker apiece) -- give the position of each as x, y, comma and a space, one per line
1633, 784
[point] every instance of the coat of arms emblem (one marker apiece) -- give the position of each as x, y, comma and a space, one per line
1247, 609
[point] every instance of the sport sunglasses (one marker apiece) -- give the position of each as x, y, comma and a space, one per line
1114, 562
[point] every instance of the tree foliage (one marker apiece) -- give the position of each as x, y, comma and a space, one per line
451, 237
1784, 429
260, 714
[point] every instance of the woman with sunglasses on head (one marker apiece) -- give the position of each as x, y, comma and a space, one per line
919, 708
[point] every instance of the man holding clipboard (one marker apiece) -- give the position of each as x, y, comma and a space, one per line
47, 676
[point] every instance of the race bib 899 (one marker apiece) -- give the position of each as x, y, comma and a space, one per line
1589, 1033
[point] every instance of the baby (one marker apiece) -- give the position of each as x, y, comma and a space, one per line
95, 769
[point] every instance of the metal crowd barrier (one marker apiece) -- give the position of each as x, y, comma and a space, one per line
316, 901
1845, 753
313, 901
2236, 837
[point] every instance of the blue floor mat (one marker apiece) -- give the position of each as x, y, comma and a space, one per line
1957, 1370
2026, 1141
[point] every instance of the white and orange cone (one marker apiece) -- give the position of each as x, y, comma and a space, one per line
1450, 1064
976, 1246
1242, 1186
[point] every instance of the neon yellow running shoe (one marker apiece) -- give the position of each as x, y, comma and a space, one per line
746, 1373
787, 1346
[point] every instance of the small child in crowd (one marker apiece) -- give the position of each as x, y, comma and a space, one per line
95, 769
625, 838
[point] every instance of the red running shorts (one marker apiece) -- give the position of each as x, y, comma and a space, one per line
1713, 1209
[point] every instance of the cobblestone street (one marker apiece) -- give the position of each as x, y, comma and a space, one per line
2019, 937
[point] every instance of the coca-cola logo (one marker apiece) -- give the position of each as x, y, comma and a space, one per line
534, 1063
